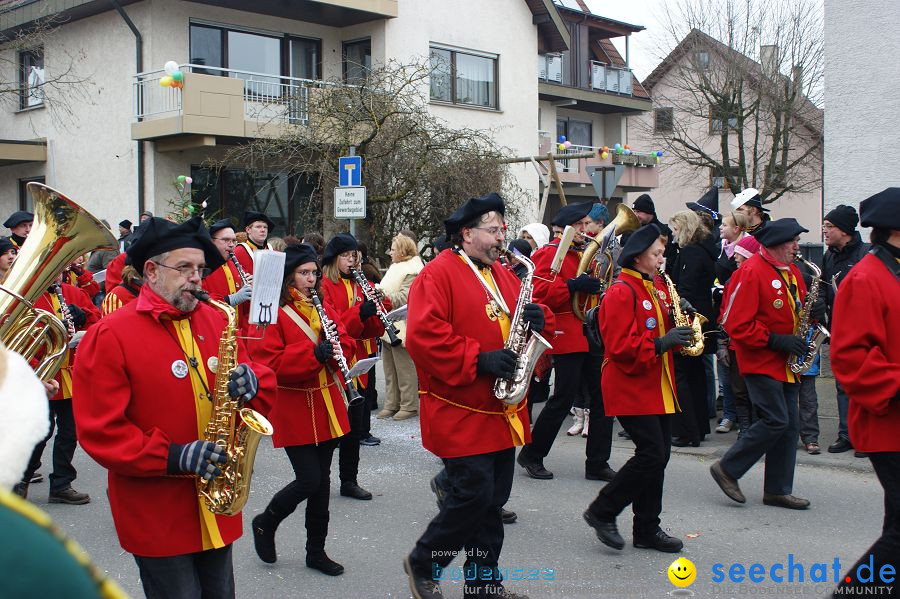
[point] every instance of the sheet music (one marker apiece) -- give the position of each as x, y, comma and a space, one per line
100, 276
268, 273
397, 313
363, 366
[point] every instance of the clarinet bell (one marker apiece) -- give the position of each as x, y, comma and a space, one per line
393, 339
353, 396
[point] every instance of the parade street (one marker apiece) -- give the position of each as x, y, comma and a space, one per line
370, 538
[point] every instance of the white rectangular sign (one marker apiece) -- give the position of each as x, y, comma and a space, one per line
349, 202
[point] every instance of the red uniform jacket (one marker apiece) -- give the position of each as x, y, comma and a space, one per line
760, 303
865, 354
131, 405
118, 297
114, 271
635, 380
78, 297
446, 328
551, 290
219, 285
346, 304
84, 280
303, 413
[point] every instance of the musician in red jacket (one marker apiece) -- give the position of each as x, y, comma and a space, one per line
225, 283
639, 388
865, 357
309, 414
78, 276
257, 226
358, 316
81, 314
145, 384
576, 369
124, 293
458, 323
761, 318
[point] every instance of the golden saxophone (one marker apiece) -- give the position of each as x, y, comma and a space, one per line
800, 364
236, 429
695, 347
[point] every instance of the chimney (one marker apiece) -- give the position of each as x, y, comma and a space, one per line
768, 58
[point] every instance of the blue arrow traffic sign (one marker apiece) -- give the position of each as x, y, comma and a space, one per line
350, 171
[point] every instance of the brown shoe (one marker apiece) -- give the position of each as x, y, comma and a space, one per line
69, 496
404, 414
21, 489
385, 414
788, 501
728, 485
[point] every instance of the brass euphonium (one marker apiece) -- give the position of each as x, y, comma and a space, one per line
62, 231
695, 347
625, 221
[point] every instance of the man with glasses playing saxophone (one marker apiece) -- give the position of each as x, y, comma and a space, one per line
457, 327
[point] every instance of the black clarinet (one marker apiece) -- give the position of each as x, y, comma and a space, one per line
330, 331
64, 310
369, 291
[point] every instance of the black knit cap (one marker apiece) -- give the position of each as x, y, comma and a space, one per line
6, 244
297, 254
521, 245
251, 217
778, 232
158, 235
644, 203
572, 213
125, 224
637, 243
17, 218
844, 218
472, 209
340, 243
882, 210
217, 226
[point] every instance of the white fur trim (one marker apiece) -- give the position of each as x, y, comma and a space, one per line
25, 417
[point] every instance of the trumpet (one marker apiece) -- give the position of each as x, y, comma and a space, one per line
370, 293
329, 329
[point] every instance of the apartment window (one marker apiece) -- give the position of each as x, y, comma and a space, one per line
305, 58
717, 176
463, 78
576, 131
357, 60
25, 201
31, 77
720, 118
663, 120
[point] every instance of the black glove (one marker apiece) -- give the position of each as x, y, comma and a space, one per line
585, 284
789, 344
498, 363
78, 316
243, 384
324, 351
367, 310
686, 306
818, 310
198, 457
674, 337
534, 316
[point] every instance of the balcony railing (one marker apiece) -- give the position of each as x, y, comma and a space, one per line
575, 170
601, 77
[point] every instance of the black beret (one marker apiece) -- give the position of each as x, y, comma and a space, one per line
17, 218
125, 224
708, 203
644, 203
6, 244
637, 243
844, 218
340, 243
217, 226
572, 213
158, 235
297, 254
522, 245
778, 231
472, 209
882, 210
251, 217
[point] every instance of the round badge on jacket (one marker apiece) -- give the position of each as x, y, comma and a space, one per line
180, 369
650, 323
778, 304
647, 305
776, 284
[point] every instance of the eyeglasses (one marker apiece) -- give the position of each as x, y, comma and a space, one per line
187, 271
308, 273
226, 240
493, 231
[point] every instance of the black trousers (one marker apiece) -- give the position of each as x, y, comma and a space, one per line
571, 371
640, 481
886, 549
690, 381
348, 458
202, 575
63, 422
742, 406
478, 486
312, 482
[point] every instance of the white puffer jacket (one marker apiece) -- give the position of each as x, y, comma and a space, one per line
395, 285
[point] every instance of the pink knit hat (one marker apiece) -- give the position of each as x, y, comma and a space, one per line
747, 246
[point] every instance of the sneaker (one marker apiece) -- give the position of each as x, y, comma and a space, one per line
422, 587
725, 426
69, 496
370, 441
36, 478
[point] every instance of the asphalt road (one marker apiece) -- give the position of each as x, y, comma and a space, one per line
371, 537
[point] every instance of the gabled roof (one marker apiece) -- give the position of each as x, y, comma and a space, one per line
550, 25
812, 116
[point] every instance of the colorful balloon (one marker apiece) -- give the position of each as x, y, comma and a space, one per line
605, 148
170, 67
626, 147
567, 144
188, 180
165, 81
178, 76
604, 155
561, 147
626, 151
562, 139
180, 178
617, 147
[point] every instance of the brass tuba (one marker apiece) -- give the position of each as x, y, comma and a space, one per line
62, 231
625, 222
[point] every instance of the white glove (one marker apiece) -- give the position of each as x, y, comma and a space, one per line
240, 296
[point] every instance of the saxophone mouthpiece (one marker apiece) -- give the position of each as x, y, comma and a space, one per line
200, 295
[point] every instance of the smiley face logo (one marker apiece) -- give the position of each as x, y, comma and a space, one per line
682, 572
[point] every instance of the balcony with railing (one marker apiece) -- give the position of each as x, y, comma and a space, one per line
640, 172
220, 102
597, 87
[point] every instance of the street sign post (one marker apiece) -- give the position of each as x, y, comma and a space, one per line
350, 202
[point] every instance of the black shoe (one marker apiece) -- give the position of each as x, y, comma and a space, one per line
352, 489
860, 454
605, 474
659, 541
840, 446
370, 441
36, 478
508, 516
21, 489
422, 587
440, 494
607, 532
535, 469
324, 564
624, 434
684, 442
69, 496
264, 540
728, 484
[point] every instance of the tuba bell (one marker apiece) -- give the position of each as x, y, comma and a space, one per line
625, 221
62, 231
